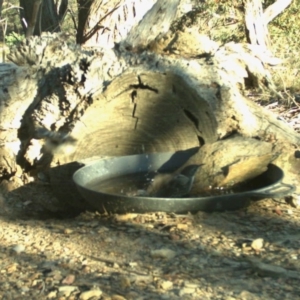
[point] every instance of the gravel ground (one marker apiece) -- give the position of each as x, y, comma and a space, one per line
252, 253
45, 253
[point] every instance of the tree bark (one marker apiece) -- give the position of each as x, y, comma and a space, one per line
272, 11
39, 16
255, 23
33, 18
61, 8
1, 4
83, 13
104, 23
163, 12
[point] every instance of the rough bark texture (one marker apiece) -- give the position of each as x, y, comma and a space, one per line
163, 12
255, 23
104, 23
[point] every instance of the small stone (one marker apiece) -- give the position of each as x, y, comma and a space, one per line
66, 290
133, 264
117, 297
93, 224
55, 274
294, 256
68, 279
90, 294
190, 285
86, 269
11, 268
18, 248
25, 289
125, 282
174, 237
163, 253
186, 290
184, 227
132, 296
278, 211
166, 284
247, 296
257, 244
125, 217
52, 295
68, 231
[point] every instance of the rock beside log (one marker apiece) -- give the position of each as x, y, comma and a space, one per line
231, 161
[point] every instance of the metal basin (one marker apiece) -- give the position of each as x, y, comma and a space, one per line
267, 185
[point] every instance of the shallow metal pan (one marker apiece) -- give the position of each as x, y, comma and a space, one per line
267, 185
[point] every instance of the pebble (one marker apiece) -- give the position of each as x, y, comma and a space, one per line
257, 244
69, 279
163, 253
18, 248
166, 284
133, 264
246, 295
66, 290
125, 217
183, 227
52, 295
90, 294
192, 285
186, 290
125, 282
25, 289
117, 297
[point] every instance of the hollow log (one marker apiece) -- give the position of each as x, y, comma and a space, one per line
62, 105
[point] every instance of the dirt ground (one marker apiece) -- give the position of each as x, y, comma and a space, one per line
50, 253
253, 253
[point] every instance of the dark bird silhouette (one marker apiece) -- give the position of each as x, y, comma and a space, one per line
173, 185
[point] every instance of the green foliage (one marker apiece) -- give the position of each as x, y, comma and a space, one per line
222, 21
13, 38
284, 33
287, 23
226, 23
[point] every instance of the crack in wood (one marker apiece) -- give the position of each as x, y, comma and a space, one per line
133, 101
143, 86
201, 140
135, 117
190, 116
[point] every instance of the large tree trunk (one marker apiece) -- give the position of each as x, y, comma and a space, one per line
1, 4
41, 16
113, 102
104, 23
